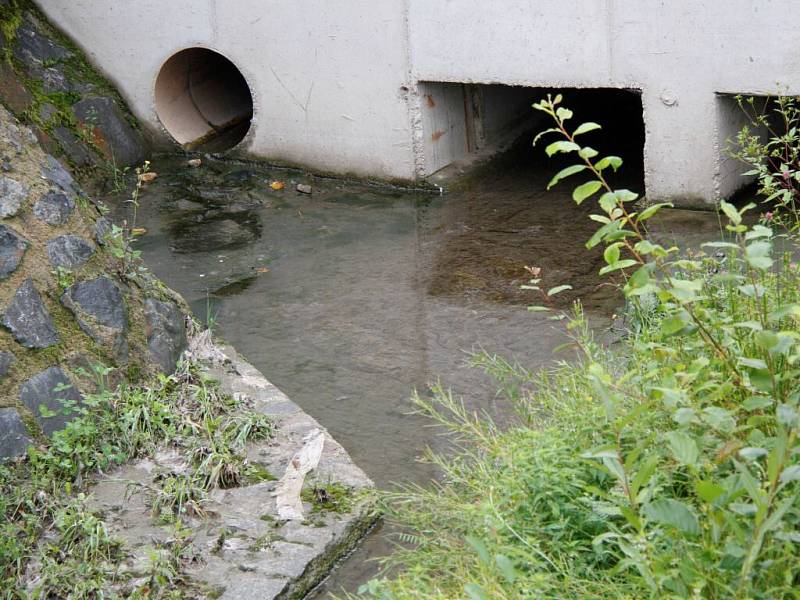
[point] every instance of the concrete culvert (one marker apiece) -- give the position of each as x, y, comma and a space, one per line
203, 100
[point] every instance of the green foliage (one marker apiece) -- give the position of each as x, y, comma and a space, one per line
328, 497
44, 492
770, 145
668, 469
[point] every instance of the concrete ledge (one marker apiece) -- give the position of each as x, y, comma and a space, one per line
243, 549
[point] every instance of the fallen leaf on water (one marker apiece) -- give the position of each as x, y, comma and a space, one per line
276, 185
262, 270
138, 231
148, 177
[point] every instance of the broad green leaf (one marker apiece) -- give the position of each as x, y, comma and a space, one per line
611, 253
585, 191
564, 114
790, 474
787, 415
758, 231
730, 212
608, 202
545, 132
653, 209
561, 146
587, 152
601, 233
757, 255
708, 490
506, 567
475, 592
538, 309
617, 266
673, 513
563, 173
749, 453
753, 363
585, 128
626, 195
558, 289
767, 339
674, 324
757, 403
684, 416
640, 278
644, 474
683, 448
615, 162
480, 548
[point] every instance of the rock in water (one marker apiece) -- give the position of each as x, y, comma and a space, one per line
304, 188
28, 320
49, 389
12, 248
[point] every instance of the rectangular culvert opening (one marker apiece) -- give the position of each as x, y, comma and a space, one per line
743, 123
462, 122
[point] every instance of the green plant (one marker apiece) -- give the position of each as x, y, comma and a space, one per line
44, 492
64, 277
770, 145
328, 497
667, 469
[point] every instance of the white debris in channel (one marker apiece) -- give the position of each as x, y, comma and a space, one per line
287, 501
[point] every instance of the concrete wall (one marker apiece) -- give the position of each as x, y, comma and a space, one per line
679, 54
325, 76
336, 83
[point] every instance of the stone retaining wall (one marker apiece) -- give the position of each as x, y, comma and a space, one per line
68, 301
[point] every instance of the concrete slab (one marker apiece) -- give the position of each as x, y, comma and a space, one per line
243, 549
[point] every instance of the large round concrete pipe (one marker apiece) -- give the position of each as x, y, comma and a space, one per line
203, 100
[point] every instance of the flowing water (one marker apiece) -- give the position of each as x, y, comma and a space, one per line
351, 298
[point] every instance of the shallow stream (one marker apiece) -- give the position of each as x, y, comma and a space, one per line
352, 297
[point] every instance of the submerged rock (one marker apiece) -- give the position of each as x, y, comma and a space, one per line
211, 235
69, 251
28, 320
14, 438
49, 389
166, 332
12, 195
12, 249
100, 310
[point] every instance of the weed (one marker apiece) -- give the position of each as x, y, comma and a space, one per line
329, 497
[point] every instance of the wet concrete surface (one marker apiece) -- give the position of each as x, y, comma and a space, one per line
352, 297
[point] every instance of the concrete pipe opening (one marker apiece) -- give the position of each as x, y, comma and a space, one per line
203, 100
